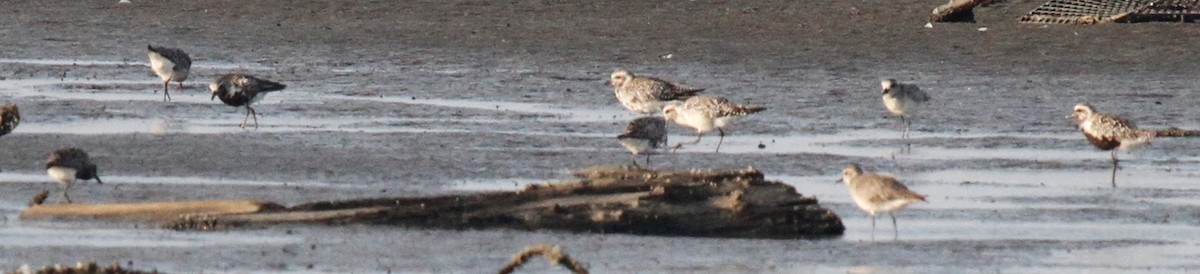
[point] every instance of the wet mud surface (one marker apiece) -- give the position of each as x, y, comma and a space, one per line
393, 98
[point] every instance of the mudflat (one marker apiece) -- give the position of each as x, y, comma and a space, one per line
394, 98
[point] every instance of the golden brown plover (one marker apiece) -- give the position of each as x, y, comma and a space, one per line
242, 90
170, 64
875, 193
9, 118
1109, 132
643, 136
705, 113
67, 164
647, 95
902, 100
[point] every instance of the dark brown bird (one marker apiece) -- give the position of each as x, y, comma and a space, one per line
242, 90
68, 164
644, 136
9, 118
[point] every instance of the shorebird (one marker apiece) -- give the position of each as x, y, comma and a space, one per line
242, 90
643, 136
875, 193
1109, 132
9, 118
647, 95
705, 113
67, 164
902, 100
170, 64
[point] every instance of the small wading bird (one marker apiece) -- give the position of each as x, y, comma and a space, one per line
902, 100
242, 90
1109, 132
647, 95
67, 164
875, 193
170, 64
705, 113
644, 136
9, 118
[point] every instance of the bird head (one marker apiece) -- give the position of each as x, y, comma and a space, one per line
670, 112
89, 172
217, 89
848, 173
1082, 112
886, 85
619, 77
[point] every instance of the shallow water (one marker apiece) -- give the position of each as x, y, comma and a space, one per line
1015, 218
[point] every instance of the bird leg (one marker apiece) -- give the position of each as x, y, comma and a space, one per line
722, 140
250, 112
180, 85
1114, 168
905, 123
66, 198
895, 229
634, 160
679, 145
166, 94
872, 227
647, 160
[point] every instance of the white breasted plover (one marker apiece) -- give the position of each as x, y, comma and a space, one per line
9, 118
902, 100
875, 193
647, 95
243, 90
1109, 132
170, 64
643, 136
67, 164
705, 113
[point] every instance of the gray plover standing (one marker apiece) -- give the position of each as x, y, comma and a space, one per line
902, 100
170, 64
647, 95
705, 113
643, 136
875, 193
1109, 132
242, 90
67, 164
9, 118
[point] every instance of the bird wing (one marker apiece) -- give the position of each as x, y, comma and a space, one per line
1109, 127
177, 56
714, 107
68, 157
885, 188
916, 93
249, 86
667, 91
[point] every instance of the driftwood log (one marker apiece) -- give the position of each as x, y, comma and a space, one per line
957, 11
607, 199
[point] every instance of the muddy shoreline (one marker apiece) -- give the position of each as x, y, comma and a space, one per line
427, 97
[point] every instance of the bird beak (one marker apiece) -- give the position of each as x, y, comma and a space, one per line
839, 180
98, 182
214, 97
885, 91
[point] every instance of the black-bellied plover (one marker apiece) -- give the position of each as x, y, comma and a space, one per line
67, 164
705, 113
170, 64
1109, 132
243, 90
643, 136
9, 118
902, 100
647, 95
875, 193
